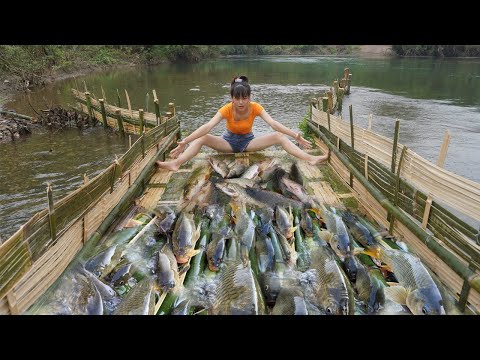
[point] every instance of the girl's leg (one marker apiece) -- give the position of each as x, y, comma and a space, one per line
265, 141
214, 142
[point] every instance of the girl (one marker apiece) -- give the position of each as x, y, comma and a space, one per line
238, 137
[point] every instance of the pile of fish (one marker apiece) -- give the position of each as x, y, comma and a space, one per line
247, 240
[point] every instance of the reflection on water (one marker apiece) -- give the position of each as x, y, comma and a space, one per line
60, 159
428, 97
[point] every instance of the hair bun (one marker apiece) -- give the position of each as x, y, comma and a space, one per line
239, 79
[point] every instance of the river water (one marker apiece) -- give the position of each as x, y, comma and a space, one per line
428, 96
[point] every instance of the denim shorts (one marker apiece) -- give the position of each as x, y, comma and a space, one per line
238, 142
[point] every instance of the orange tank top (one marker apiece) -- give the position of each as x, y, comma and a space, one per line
240, 126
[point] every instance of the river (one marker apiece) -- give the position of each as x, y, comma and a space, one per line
428, 96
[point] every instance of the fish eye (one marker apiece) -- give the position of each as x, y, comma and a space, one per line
424, 310
329, 310
338, 246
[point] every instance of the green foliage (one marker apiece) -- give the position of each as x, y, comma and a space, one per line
439, 51
308, 134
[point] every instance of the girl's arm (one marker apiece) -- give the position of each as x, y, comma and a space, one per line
204, 129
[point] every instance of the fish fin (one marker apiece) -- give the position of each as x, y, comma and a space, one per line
192, 252
397, 293
358, 251
391, 283
386, 268
373, 252
325, 235
184, 269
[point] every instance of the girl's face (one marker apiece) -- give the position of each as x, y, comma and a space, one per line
241, 103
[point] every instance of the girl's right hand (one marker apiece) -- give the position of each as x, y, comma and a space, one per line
179, 149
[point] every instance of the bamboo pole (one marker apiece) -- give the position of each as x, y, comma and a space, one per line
120, 122
352, 140
51, 213
325, 103
313, 102
452, 261
15, 115
129, 141
397, 187
440, 163
89, 104
335, 86
147, 98
462, 301
128, 103
103, 94
394, 149
171, 108
119, 103
140, 118
341, 91
157, 106
104, 114
330, 101
370, 119
349, 82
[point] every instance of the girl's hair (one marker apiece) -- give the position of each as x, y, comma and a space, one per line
240, 87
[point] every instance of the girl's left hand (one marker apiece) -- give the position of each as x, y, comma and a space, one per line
303, 142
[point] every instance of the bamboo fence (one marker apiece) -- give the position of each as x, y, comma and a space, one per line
37, 254
408, 195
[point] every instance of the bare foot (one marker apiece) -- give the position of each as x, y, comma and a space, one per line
169, 165
319, 159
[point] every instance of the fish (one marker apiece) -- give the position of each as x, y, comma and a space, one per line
219, 166
307, 224
195, 182
251, 172
271, 198
359, 231
290, 301
165, 219
265, 251
284, 221
330, 284
417, 290
340, 240
166, 269
244, 229
300, 192
99, 262
184, 238
140, 300
370, 289
237, 170
215, 253
238, 292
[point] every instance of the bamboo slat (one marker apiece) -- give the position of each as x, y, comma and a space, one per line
325, 194
379, 214
4, 308
47, 268
152, 195
310, 171
456, 191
